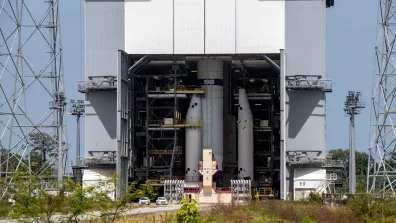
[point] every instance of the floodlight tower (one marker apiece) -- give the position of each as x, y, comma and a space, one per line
381, 172
77, 109
32, 95
353, 107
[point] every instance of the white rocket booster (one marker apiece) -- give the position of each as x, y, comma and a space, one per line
245, 137
210, 73
193, 139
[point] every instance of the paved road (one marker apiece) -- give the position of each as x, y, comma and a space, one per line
141, 210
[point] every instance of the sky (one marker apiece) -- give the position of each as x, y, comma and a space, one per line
350, 43
351, 32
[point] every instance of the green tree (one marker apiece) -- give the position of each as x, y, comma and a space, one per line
188, 213
361, 161
137, 191
11, 162
45, 144
32, 202
339, 154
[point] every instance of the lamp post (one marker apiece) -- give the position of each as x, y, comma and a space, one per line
77, 109
353, 107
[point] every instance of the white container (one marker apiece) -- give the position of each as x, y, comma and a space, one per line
168, 121
263, 123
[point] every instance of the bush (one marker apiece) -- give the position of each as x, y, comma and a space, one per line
188, 213
315, 198
5, 208
307, 219
271, 217
365, 204
34, 203
312, 198
360, 204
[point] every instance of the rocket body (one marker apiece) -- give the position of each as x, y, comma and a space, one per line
193, 139
210, 75
245, 137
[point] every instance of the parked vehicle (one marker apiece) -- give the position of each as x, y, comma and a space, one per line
144, 200
161, 200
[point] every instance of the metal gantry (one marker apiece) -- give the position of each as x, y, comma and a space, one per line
32, 95
381, 177
352, 106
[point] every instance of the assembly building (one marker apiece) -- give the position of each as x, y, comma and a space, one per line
165, 79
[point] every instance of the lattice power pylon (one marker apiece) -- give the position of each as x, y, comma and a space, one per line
32, 92
381, 176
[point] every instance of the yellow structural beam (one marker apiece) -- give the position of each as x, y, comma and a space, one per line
164, 153
183, 124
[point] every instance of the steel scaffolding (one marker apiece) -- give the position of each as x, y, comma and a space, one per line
381, 172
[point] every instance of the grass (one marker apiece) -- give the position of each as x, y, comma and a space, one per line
264, 211
154, 218
357, 210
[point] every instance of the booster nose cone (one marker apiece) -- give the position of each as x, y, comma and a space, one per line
194, 111
244, 111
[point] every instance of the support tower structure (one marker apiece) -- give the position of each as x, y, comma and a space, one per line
381, 177
32, 93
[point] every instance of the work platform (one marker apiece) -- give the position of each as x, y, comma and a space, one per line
98, 83
308, 82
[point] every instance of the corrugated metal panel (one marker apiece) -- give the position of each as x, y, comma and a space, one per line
260, 26
305, 55
189, 27
305, 37
305, 122
100, 122
219, 26
149, 26
104, 35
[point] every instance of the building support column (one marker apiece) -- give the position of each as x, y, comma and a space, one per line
283, 194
